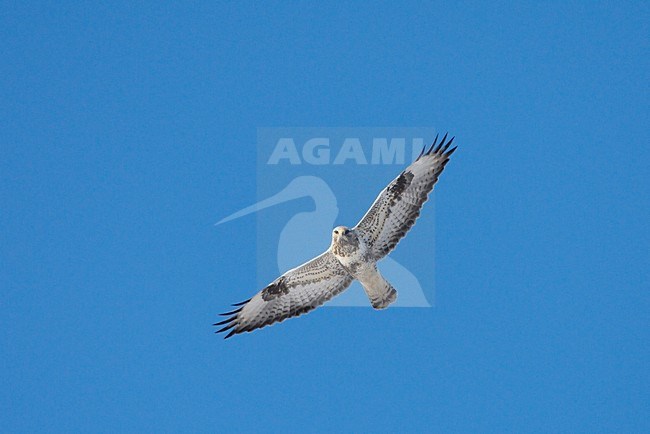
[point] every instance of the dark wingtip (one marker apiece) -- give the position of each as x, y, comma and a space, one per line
225, 321
447, 145
232, 312
242, 302
229, 326
421, 153
232, 333
451, 151
432, 145
442, 142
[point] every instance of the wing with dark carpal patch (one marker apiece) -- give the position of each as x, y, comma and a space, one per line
295, 292
398, 205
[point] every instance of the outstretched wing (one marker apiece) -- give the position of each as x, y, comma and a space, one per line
295, 292
396, 208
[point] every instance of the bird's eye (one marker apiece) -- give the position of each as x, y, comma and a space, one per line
336, 232
345, 232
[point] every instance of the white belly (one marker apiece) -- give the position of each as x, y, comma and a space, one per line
357, 261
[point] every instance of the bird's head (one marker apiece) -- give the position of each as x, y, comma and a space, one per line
344, 235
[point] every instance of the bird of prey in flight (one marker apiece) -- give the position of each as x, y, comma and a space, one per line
353, 253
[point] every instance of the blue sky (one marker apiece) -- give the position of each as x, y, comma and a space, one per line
128, 130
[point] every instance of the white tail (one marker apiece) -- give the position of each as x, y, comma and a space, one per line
379, 291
